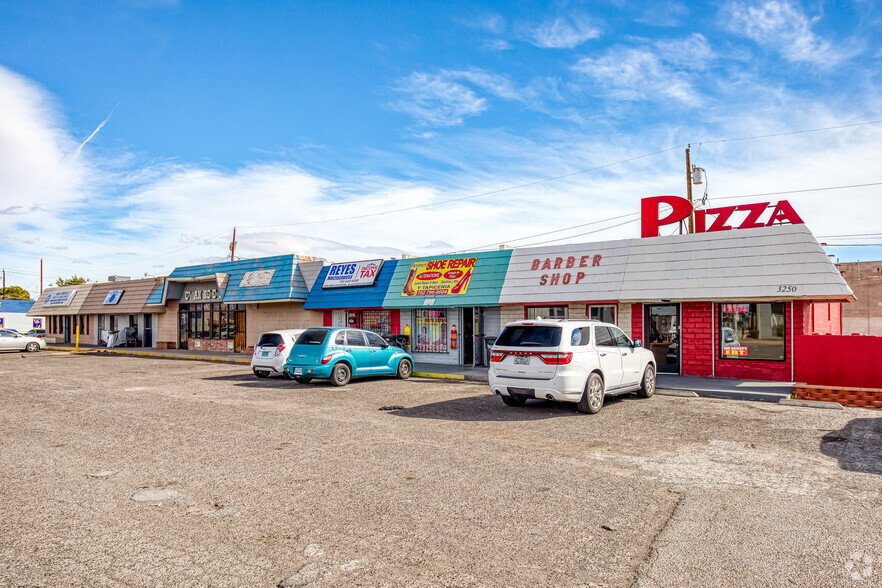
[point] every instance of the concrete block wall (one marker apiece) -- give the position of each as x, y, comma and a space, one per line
278, 315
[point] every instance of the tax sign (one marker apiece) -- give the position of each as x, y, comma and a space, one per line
350, 275
722, 218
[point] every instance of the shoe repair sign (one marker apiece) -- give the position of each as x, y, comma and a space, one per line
441, 277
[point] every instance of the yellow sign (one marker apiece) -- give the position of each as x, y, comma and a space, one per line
734, 351
441, 277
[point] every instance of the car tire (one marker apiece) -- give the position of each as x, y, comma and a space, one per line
404, 369
647, 386
261, 373
32, 347
592, 397
341, 374
302, 379
513, 400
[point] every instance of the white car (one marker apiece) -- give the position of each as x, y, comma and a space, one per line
569, 360
271, 351
10, 340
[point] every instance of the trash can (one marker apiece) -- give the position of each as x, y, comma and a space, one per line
488, 343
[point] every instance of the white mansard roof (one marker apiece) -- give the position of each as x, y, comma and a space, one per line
768, 263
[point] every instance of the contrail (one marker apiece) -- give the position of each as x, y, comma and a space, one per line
95, 132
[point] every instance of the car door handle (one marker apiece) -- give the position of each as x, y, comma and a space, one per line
603, 355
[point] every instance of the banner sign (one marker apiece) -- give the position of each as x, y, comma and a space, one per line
201, 292
60, 298
38, 323
442, 277
113, 296
352, 275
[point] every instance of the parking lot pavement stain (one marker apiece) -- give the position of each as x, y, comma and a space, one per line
103, 474
156, 495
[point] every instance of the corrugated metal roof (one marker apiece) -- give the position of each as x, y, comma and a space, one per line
483, 290
360, 297
16, 306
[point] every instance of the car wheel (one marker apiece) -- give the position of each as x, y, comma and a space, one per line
592, 397
32, 346
302, 379
261, 373
341, 374
513, 401
647, 388
404, 369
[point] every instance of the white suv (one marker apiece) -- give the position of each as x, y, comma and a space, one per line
571, 360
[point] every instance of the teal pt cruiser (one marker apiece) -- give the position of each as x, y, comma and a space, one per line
339, 354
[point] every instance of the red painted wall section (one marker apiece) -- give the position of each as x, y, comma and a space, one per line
636, 322
395, 316
826, 318
697, 341
328, 319
839, 360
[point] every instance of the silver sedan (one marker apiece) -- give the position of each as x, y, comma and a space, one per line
11, 340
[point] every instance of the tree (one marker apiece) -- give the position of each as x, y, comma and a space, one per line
14, 293
71, 281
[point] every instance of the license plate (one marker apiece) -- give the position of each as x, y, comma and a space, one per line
521, 360
265, 353
298, 371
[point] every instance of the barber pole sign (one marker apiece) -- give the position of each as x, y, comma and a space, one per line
723, 218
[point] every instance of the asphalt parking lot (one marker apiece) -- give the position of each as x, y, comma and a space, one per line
133, 471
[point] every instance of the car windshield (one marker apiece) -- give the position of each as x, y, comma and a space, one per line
529, 336
270, 340
312, 337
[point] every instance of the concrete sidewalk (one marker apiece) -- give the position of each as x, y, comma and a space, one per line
729, 388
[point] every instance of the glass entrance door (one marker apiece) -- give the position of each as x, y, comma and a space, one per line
662, 328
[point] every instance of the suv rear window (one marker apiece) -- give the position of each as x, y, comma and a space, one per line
529, 336
312, 337
270, 340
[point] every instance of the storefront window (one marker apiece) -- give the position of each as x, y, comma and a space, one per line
605, 313
752, 331
378, 321
430, 331
553, 312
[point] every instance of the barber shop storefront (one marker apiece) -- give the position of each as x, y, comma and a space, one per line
721, 302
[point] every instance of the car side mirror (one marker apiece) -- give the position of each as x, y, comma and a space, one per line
637, 343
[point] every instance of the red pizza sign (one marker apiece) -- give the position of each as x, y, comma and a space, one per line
712, 219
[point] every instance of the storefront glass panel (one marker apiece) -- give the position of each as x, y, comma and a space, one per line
605, 313
752, 331
378, 321
663, 336
430, 331
534, 312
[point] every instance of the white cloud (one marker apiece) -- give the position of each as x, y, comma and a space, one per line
783, 26
663, 14
564, 32
497, 45
434, 99
637, 74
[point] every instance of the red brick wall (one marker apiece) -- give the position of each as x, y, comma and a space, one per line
210, 345
825, 318
637, 322
697, 340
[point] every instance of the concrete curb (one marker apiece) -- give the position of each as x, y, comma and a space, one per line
150, 354
811, 403
680, 393
458, 377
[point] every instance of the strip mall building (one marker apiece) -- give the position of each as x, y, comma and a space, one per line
724, 302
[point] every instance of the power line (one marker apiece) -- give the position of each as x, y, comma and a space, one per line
871, 122
798, 191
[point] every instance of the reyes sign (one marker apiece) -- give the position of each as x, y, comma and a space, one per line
351, 275
712, 219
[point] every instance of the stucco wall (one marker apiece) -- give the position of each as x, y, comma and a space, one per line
278, 315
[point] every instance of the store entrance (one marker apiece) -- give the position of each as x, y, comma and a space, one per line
468, 336
67, 329
662, 328
239, 340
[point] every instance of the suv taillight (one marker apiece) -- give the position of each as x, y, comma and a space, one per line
327, 358
496, 356
556, 358
280, 348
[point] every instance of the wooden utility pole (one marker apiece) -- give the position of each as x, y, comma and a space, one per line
41, 276
233, 246
689, 190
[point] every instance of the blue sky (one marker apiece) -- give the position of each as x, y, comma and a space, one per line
136, 134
